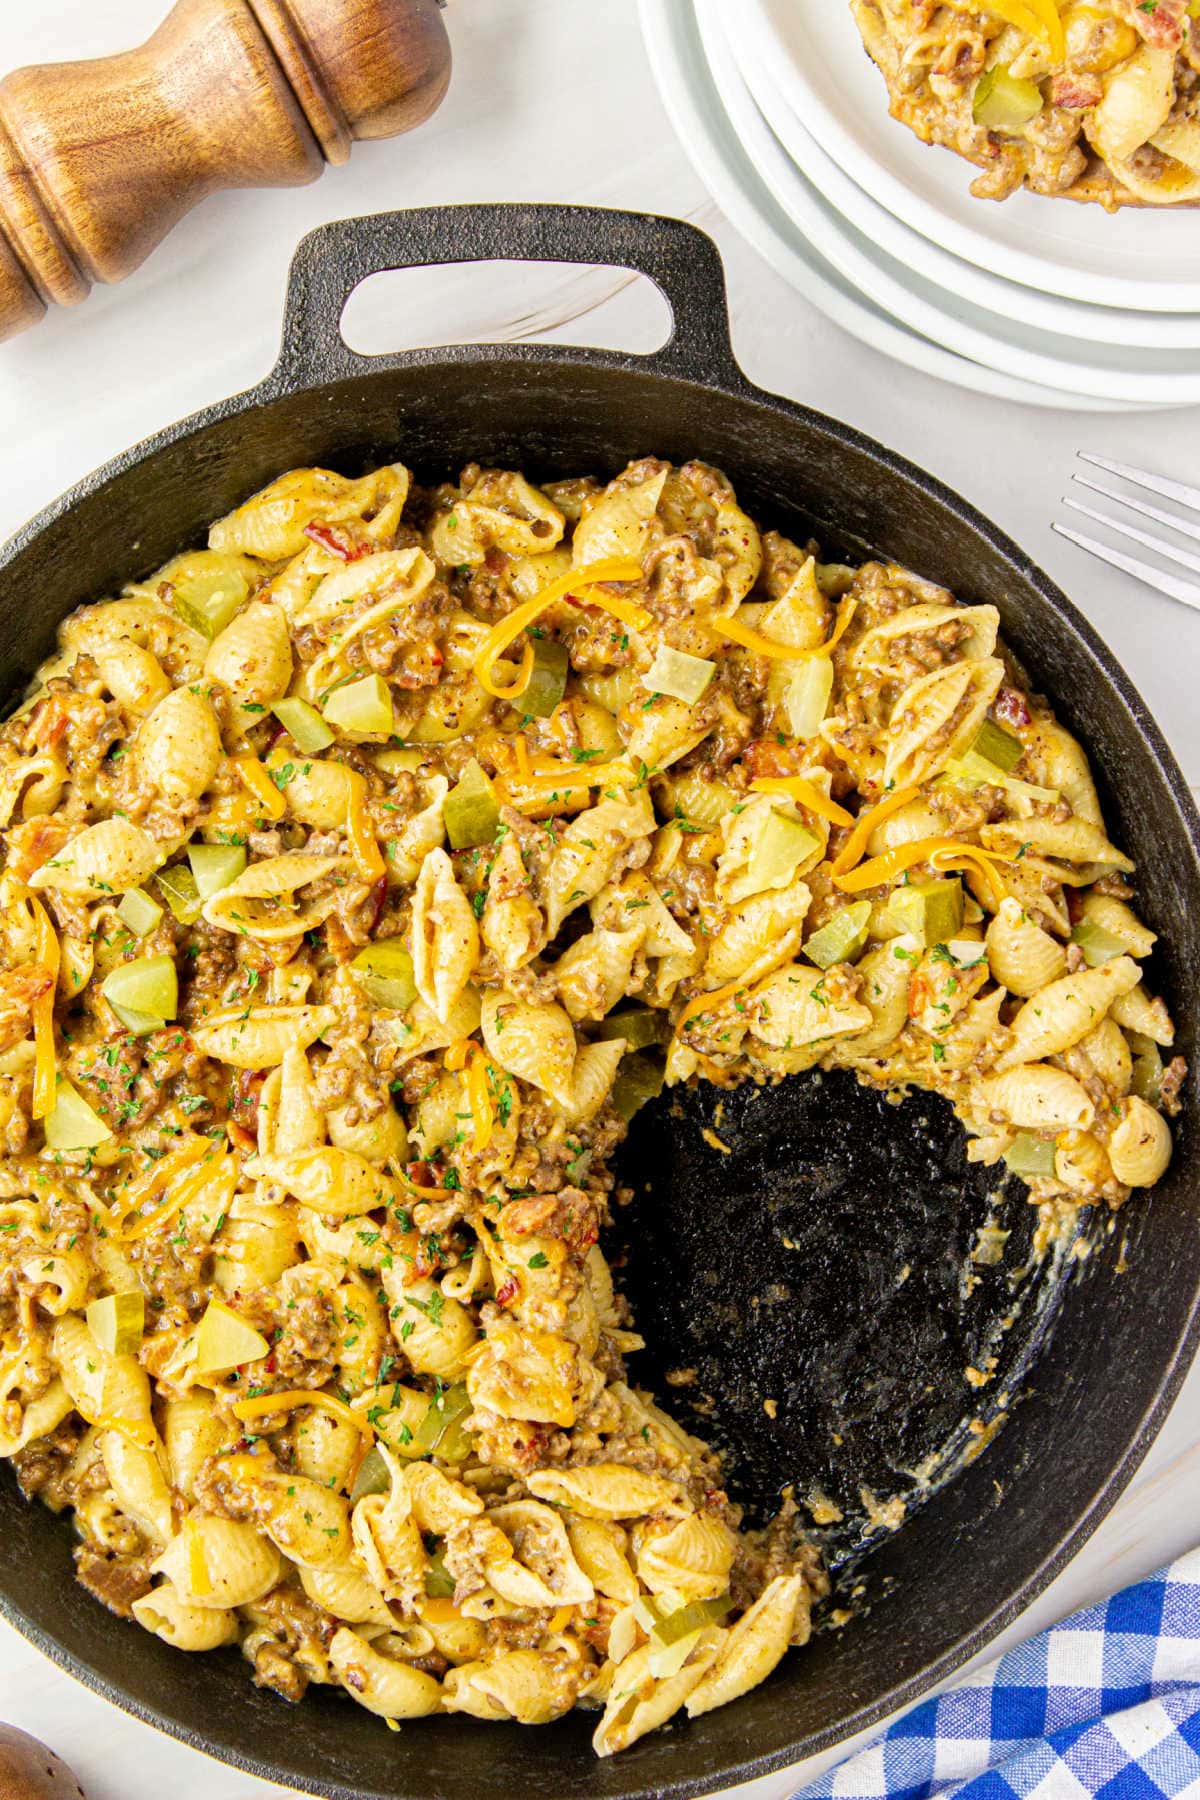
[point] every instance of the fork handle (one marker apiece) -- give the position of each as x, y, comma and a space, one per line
98, 160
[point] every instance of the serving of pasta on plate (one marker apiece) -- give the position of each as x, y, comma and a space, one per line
363, 874
1095, 100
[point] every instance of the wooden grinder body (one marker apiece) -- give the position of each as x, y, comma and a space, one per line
98, 160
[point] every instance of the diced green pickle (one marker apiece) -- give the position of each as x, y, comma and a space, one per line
208, 590
141, 1024
670, 1627
117, 1322
304, 725
639, 1079
1005, 102
372, 1477
781, 846
362, 708
841, 938
149, 986
177, 885
139, 912
931, 910
444, 1411
439, 1583
1030, 1155
1098, 946
385, 969
806, 695
215, 866
471, 811
224, 1340
640, 1026
73, 1125
998, 748
1146, 1081
547, 679
676, 673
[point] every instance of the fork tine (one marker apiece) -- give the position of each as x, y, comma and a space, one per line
1140, 506
1184, 558
1158, 484
1175, 589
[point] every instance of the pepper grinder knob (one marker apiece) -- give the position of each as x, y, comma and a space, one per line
98, 160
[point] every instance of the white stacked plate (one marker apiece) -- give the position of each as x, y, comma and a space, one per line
785, 120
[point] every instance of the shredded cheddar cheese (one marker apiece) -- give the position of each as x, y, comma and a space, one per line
702, 1003
467, 1055
1038, 18
854, 849
199, 1579
181, 1196
510, 628
939, 852
360, 836
48, 956
262, 1404
259, 782
807, 793
749, 639
149, 1185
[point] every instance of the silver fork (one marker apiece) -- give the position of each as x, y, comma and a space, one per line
1174, 586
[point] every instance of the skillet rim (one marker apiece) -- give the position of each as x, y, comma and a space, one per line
623, 238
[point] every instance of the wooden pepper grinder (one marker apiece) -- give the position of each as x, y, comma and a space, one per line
98, 160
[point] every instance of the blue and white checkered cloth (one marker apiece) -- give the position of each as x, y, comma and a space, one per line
1105, 1706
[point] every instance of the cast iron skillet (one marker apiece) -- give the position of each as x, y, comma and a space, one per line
967, 1561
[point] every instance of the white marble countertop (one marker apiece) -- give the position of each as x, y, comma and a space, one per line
551, 100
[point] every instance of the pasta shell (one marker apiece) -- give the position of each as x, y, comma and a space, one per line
936, 718
445, 937
216, 1562
261, 1038
1059, 1015
108, 858
605, 1490
533, 1041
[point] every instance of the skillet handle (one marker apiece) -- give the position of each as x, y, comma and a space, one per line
683, 263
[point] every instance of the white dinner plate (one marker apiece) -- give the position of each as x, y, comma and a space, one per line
1012, 300
1147, 259
692, 103
1102, 371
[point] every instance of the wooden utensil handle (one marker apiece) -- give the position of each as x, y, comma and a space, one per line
99, 159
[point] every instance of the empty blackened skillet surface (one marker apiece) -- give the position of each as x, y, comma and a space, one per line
815, 1269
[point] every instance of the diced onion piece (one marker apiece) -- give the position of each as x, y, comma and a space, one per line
304, 725
177, 886
215, 866
547, 679
373, 1477
842, 938
1004, 101
385, 969
72, 1125
676, 673
1098, 946
640, 1026
807, 793
139, 912
207, 598
806, 696
966, 953
117, 1322
639, 1079
148, 985
471, 811
362, 708
1030, 1155
931, 910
